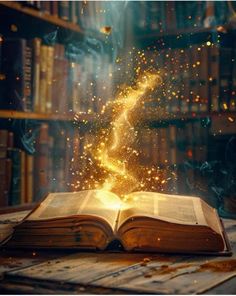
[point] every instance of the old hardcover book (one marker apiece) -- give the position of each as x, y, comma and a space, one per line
43, 78
141, 221
16, 75
36, 45
214, 79
226, 67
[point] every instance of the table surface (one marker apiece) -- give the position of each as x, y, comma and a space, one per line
73, 272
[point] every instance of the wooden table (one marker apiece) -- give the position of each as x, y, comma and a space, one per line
72, 272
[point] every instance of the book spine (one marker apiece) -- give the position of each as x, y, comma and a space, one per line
64, 10
36, 44
13, 71
28, 78
15, 191
3, 143
214, 77
154, 147
70, 85
164, 153
225, 78
50, 163
5, 177
22, 177
76, 96
38, 5
46, 7
41, 163
29, 178
170, 15
59, 161
145, 141
2, 75
194, 90
210, 19
64, 107
185, 61
180, 17
75, 164
49, 78
232, 104
73, 12
43, 77
54, 8
55, 79
172, 135
203, 78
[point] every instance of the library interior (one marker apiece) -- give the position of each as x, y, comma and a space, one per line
105, 107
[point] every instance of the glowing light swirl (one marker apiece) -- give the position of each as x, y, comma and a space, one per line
114, 150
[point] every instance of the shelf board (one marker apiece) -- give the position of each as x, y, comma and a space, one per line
228, 119
41, 15
178, 32
12, 114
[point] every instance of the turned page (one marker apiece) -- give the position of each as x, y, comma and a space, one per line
171, 208
95, 203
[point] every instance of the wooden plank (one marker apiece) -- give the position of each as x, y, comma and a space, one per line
93, 265
8, 221
182, 278
128, 272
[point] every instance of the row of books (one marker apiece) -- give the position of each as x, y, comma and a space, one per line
27, 178
177, 152
66, 10
200, 78
40, 78
151, 16
15, 169
173, 145
61, 161
161, 16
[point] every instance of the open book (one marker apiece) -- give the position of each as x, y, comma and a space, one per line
143, 221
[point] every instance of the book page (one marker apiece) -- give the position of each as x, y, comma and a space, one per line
171, 208
99, 203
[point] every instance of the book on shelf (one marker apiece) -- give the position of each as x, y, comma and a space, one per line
65, 10
143, 221
5, 179
226, 67
232, 103
16, 74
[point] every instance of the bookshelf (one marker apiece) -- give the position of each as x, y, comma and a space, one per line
54, 126
15, 7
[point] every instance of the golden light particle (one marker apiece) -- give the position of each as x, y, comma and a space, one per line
225, 106
14, 28
106, 30
231, 119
